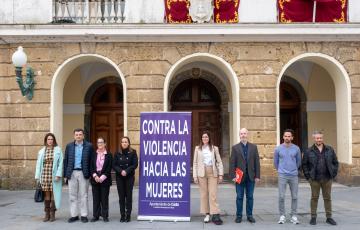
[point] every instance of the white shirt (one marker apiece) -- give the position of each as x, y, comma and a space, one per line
207, 155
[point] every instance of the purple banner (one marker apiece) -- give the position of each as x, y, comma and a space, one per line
164, 177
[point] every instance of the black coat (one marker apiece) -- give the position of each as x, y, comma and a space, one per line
125, 161
310, 159
106, 170
237, 160
69, 159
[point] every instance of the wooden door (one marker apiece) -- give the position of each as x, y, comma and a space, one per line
290, 113
202, 99
107, 116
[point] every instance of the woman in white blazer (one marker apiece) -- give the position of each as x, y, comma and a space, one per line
208, 172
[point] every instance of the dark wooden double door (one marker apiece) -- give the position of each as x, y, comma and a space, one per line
202, 99
107, 116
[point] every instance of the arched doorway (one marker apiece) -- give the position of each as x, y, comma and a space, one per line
328, 109
293, 111
203, 100
107, 115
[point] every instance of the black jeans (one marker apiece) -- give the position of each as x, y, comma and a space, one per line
125, 187
100, 201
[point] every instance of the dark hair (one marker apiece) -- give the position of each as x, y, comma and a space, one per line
79, 130
50, 135
210, 142
289, 131
128, 139
102, 139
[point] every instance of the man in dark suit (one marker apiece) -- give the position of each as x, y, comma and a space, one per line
78, 154
245, 156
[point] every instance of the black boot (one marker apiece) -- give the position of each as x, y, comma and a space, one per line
122, 218
216, 219
128, 218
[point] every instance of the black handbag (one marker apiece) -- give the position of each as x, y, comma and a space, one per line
39, 194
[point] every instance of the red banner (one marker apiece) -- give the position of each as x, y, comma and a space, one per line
302, 11
177, 11
226, 11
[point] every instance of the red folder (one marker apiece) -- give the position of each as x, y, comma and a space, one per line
239, 174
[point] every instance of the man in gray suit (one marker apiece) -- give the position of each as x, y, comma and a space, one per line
245, 156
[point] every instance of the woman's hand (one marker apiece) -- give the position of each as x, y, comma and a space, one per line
220, 179
196, 180
57, 178
123, 173
97, 179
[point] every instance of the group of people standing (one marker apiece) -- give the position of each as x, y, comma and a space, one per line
319, 164
83, 165
80, 166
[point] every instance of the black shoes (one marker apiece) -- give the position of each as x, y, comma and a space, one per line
331, 221
238, 219
313, 221
216, 219
84, 219
94, 219
251, 219
122, 219
106, 219
73, 219
127, 218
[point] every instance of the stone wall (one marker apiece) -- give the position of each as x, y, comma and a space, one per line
145, 65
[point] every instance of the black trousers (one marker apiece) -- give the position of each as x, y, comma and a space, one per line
100, 200
125, 187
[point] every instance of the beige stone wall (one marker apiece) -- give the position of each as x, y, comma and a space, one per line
145, 65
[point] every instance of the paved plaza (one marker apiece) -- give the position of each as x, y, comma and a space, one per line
18, 211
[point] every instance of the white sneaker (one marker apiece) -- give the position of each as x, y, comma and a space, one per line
294, 220
207, 219
282, 220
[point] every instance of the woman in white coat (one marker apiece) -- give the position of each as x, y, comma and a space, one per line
208, 172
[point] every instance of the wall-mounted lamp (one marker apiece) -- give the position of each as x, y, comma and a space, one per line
19, 60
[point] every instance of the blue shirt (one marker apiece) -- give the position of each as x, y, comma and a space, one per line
287, 160
78, 155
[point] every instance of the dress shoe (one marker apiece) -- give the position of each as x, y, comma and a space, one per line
331, 221
122, 218
84, 219
106, 219
238, 219
94, 219
251, 219
127, 218
313, 221
73, 219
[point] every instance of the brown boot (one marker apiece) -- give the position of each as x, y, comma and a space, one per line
47, 210
52, 211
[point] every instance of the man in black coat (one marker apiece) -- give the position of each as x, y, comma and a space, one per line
320, 166
245, 156
78, 154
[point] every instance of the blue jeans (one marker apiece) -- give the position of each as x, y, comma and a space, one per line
248, 186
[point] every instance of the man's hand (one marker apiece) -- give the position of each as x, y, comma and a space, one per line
220, 179
234, 180
123, 173
196, 180
57, 178
257, 180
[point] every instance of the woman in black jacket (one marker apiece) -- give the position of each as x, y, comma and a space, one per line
100, 169
125, 163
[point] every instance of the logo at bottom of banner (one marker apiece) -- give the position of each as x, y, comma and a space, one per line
164, 181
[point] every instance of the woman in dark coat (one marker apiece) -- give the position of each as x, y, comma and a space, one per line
125, 163
100, 169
